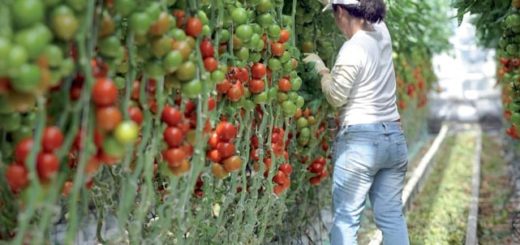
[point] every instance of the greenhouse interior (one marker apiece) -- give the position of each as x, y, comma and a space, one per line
260, 122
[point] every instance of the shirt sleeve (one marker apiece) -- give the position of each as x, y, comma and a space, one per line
337, 85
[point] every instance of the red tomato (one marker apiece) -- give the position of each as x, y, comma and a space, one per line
193, 27
135, 90
136, 114
286, 168
22, 150
226, 149
316, 168
213, 140
206, 49
235, 92
179, 15
52, 138
315, 180
226, 131
17, 177
280, 178
224, 86
212, 103
47, 165
210, 64
256, 86
242, 74
173, 136
214, 156
174, 156
107, 118
284, 85
104, 92
278, 189
190, 107
258, 71
171, 115
320, 160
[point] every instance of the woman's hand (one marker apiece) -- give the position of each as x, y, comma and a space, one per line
319, 65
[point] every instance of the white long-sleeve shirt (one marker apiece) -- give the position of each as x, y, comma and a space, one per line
362, 82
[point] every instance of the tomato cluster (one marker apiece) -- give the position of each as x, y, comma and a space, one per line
509, 70
222, 150
318, 167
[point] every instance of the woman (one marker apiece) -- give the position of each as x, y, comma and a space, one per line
370, 152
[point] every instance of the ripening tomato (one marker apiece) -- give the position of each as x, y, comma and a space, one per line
212, 103
52, 138
193, 26
285, 35
219, 171
107, 118
179, 15
127, 132
174, 156
284, 85
226, 131
256, 86
160, 26
258, 71
22, 150
183, 168
232, 164
171, 115
47, 165
173, 136
278, 189
277, 49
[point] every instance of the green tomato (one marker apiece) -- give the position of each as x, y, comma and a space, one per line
302, 123
192, 89
206, 31
244, 32
243, 54
282, 96
285, 58
153, 10
17, 57
22, 133
112, 147
172, 61
305, 132
67, 67
293, 96
274, 32
248, 105
34, 40
224, 36
273, 93
264, 6
54, 55
78, 5
161, 46
127, 132
239, 16
64, 23
125, 7
289, 108
154, 68
5, 47
203, 17
187, 71
140, 23
255, 57
178, 34
27, 78
26, 13
266, 19
300, 102
29, 118
274, 64
120, 82
515, 118
261, 98
109, 46
287, 67
10, 122
287, 20
296, 83
218, 76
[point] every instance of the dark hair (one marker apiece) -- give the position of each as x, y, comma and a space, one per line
371, 10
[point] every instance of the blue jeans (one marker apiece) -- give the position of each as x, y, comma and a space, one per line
369, 159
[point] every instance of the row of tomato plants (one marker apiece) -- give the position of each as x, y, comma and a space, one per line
187, 120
